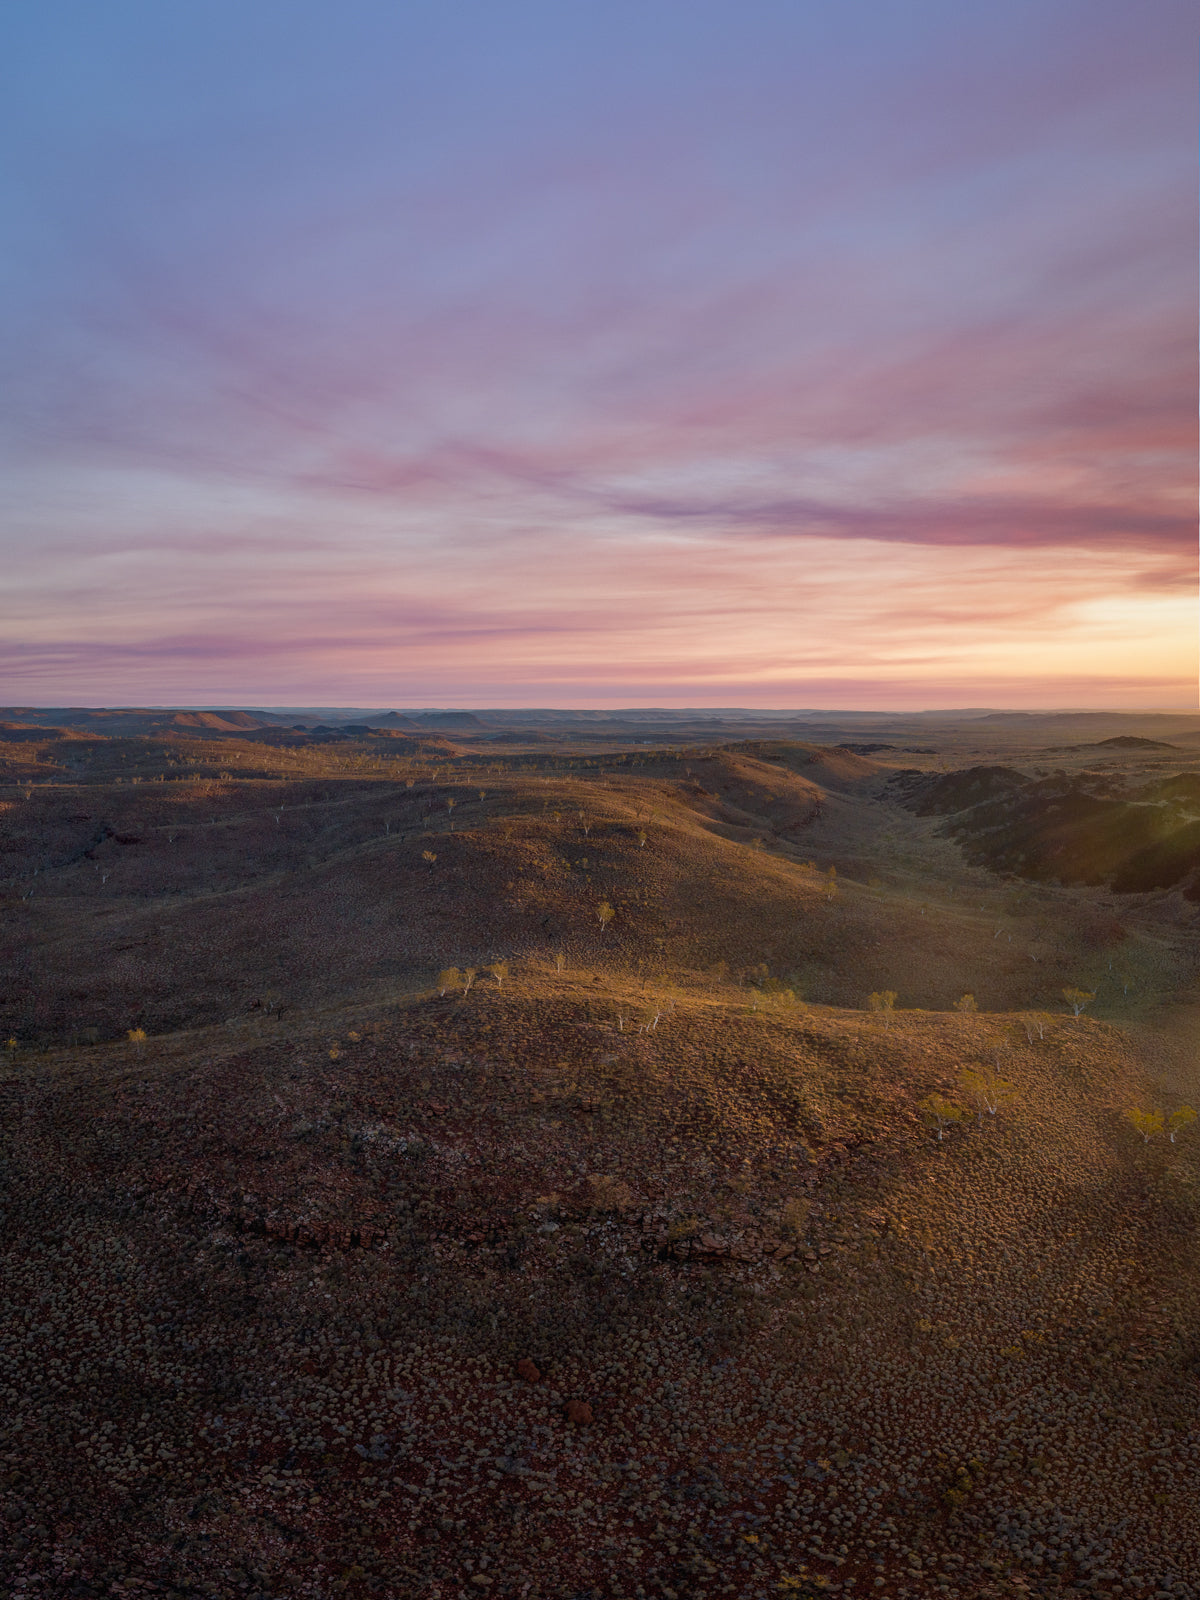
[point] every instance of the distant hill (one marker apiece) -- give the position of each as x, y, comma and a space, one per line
834, 764
124, 722
26, 733
390, 719
1129, 741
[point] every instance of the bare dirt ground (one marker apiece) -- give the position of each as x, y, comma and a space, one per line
633, 1267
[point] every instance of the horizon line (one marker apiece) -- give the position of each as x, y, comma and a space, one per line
776, 711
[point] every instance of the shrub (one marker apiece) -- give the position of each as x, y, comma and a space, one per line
602, 1192
940, 1113
1179, 1120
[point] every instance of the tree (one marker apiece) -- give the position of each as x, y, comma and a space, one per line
940, 1113
831, 883
604, 914
1078, 1000
1147, 1123
136, 1037
449, 978
776, 989
469, 976
883, 1001
1179, 1120
499, 971
997, 1046
966, 1004
985, 1090
428, 855
560, 961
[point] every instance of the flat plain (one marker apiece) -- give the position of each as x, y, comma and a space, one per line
611, 1156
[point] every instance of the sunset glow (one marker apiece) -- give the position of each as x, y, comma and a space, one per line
778, 355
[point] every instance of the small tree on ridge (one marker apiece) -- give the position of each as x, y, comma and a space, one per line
883, 1001
1078, 1000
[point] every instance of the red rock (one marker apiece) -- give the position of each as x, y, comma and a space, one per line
528, 1370
712, 1245
579, 1412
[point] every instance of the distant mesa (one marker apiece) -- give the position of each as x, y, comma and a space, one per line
446, 719
387, 720
529, 737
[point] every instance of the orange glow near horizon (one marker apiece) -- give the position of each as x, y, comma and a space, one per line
842, 623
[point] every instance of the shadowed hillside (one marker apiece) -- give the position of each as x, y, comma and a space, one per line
1095, 828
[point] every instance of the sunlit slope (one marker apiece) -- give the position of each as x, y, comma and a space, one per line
164, 905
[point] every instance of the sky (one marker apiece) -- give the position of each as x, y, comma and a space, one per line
599, 352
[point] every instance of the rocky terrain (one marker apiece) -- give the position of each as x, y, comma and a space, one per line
384, 1219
